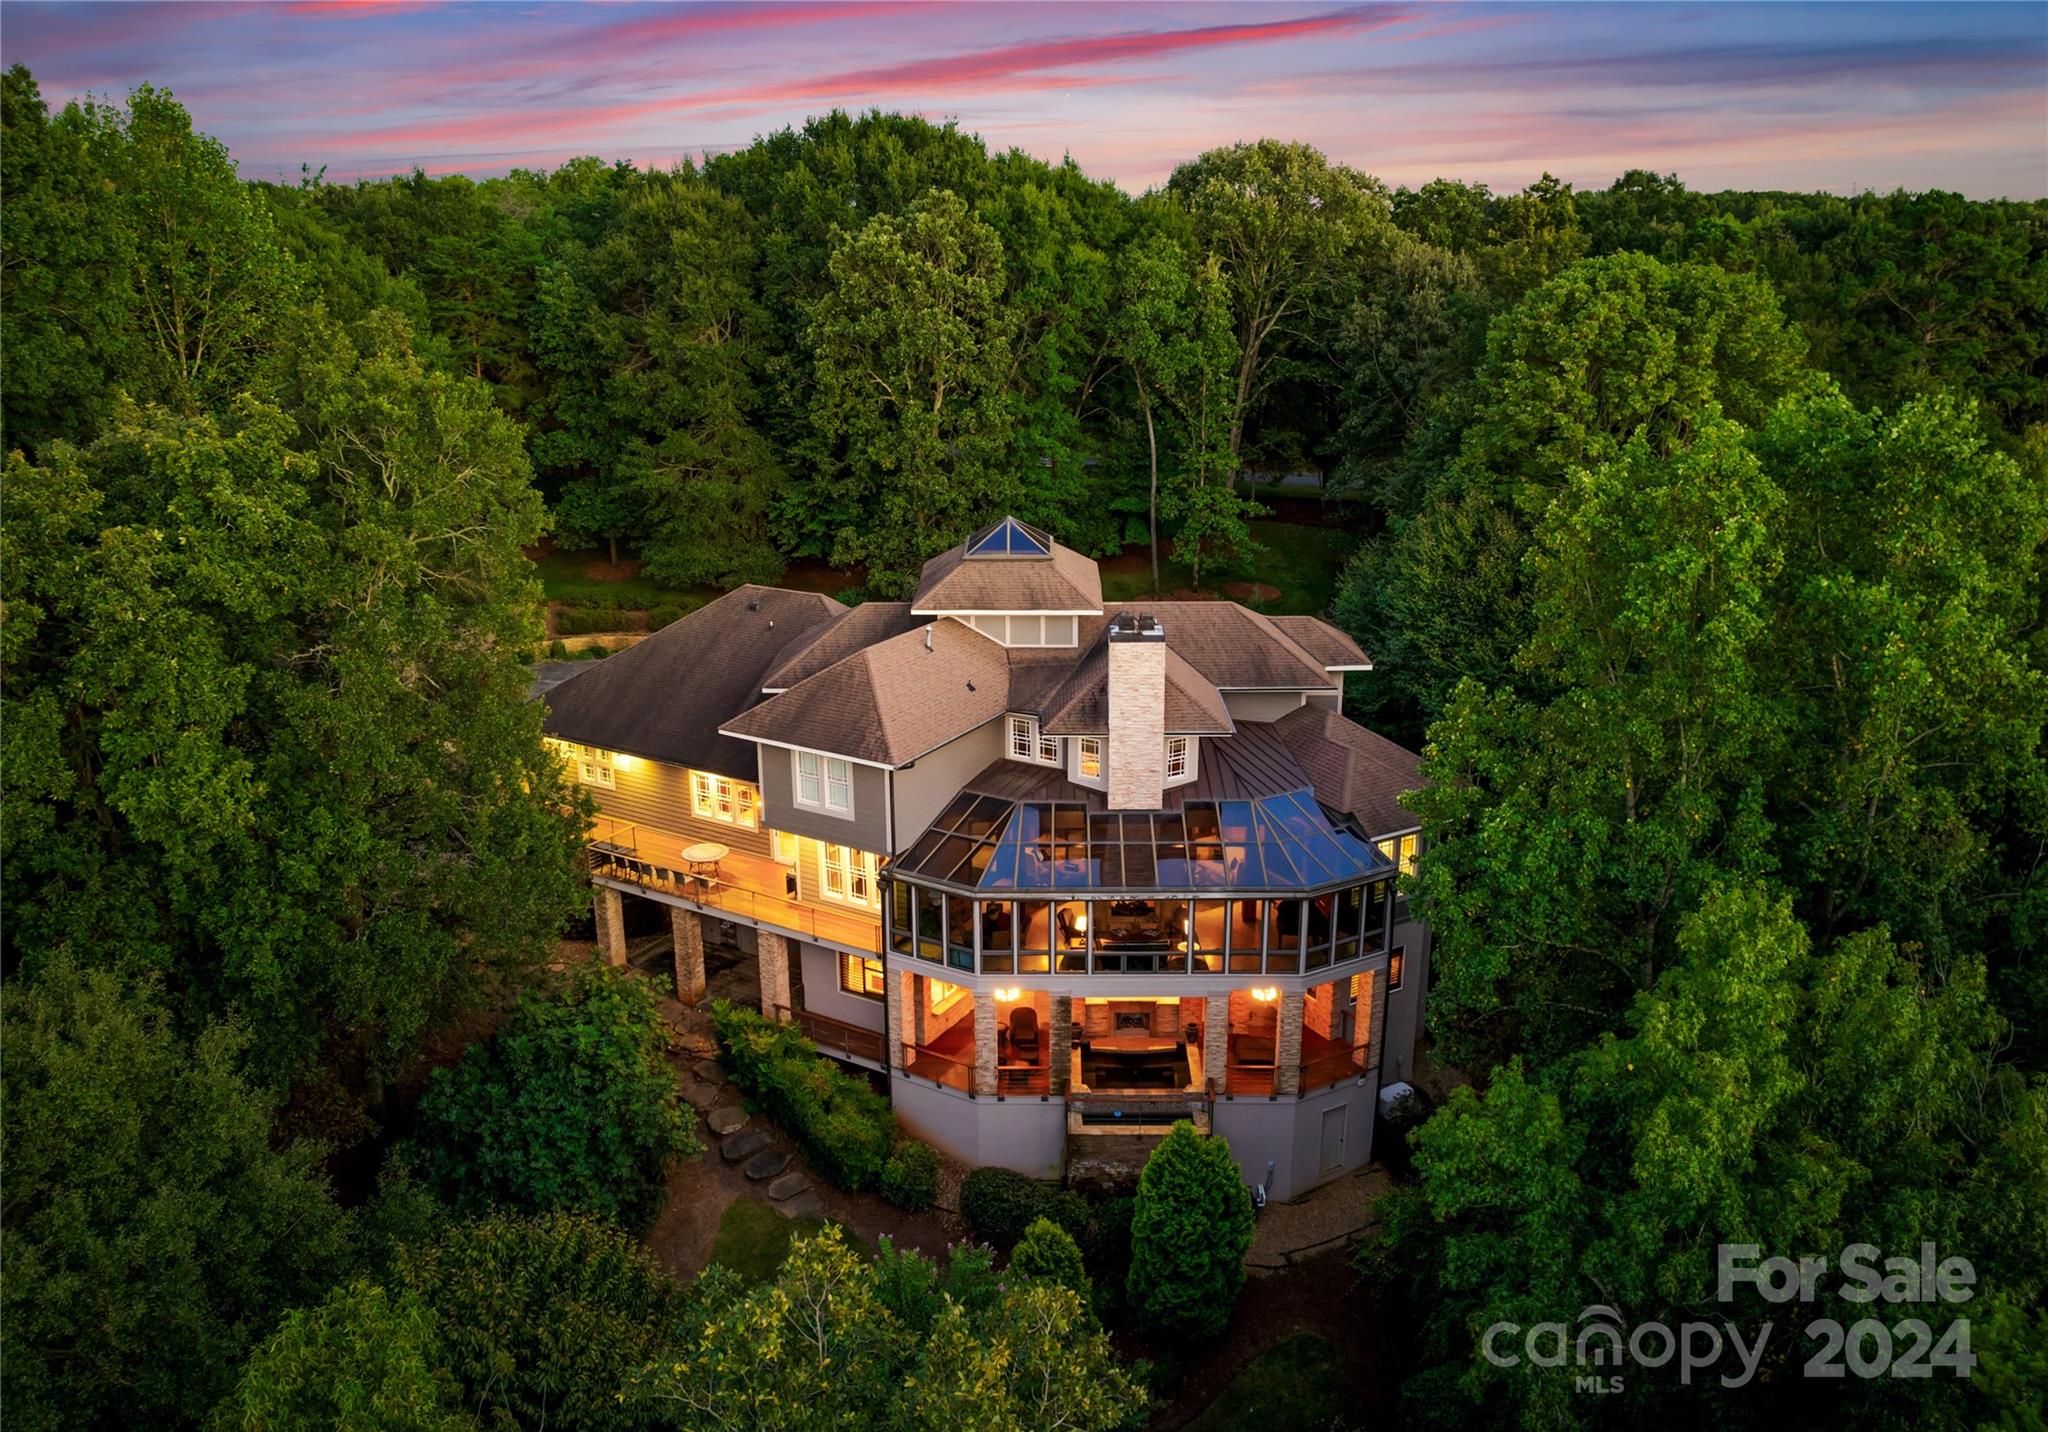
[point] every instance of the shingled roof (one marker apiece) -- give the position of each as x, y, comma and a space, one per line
1333, 648
972, 578
814, 650
1354, 770
666, 697
1079, 705
890, 702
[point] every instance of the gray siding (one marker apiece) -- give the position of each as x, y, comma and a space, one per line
927, 787
867, 830
822, 994
657, 794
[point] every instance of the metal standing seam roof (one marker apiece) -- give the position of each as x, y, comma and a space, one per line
1279, 842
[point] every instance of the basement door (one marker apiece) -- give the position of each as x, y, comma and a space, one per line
1333, 1138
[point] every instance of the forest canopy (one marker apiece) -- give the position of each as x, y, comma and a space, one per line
1699, 545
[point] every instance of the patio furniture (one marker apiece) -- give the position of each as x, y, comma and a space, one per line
702, 860
1024, 1035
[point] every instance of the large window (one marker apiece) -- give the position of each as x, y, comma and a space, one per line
717, 798
862, 976
847, 874
1401, 849
1028, 743
1395, 964
824, 783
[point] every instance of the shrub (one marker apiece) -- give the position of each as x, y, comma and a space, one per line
571, 1106
846, 1128
1189, 1234
558, 650
999, 1204
661, 616
1048, 1251
591, 617
911, 1177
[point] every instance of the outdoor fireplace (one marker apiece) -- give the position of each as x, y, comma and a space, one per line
1132, 1021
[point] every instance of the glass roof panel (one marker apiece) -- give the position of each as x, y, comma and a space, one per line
1002, 869
951, 816
986, 816
1140, 868
1201, 819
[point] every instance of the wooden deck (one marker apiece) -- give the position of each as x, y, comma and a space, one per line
747, 886
949, 1060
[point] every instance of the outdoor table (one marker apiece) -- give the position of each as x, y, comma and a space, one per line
703, 858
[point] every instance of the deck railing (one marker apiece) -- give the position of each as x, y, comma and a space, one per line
616, 854
830, 1034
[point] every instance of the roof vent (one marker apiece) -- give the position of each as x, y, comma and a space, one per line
928, 635
753, 606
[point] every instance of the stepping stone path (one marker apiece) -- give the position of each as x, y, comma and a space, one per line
804, 1205
708, 1071
788, 1186
766, 1164
743, 1145
702, 1096
703, 1046
727, 1120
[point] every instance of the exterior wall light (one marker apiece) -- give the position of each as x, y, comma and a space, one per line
1266, 994
622, 762
1008, 996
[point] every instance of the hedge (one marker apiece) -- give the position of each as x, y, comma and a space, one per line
846, 1129
1000, 1204
598, 617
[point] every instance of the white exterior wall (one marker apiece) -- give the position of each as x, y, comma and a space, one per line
1028, 1134
1289, 1133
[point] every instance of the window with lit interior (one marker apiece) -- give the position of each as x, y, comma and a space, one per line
824, 783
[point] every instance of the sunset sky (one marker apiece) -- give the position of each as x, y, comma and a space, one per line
1834, 96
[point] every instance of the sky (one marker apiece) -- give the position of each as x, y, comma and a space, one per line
1840, 96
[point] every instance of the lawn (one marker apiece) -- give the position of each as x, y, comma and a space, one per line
1293, 1386
753, 1238
1303, 562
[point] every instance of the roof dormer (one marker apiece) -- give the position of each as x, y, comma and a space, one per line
1010, 569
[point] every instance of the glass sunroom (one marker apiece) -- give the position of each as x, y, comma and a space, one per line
1256, 886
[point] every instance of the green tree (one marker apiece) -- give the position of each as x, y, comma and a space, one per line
1287, 228
152, 1232
1759, 1093
546, 1321
209, 279
1048, 1251
914, 346
1174, 335
650, 341
1611, 350
1189, 1234
363, 1361
65, 265
316, 793
821, 1346
572, 1106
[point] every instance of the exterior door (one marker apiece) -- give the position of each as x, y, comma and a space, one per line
1333, 1138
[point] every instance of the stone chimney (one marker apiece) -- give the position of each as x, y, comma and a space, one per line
1137, 712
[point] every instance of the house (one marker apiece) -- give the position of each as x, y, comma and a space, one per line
1051, 869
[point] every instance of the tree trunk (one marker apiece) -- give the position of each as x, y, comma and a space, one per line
1152, 508
613, 542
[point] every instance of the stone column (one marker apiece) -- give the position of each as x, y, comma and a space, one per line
688, 929
1377, 1039
1060, 1042
772, 951
1287, 1048
901, 1013
1216, 1040
984, 1042
610, 909
1362, 1042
